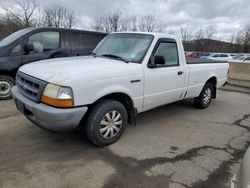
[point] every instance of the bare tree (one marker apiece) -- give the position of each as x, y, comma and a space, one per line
110, 22
232, 40
130, 24
114, 21
246, 39
199, 35
102, 24
58, 16
209, 33
71, 19
185, 35
150, 23
239, 41
242, 40
23, 12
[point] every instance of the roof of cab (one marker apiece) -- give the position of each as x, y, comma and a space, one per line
155, 34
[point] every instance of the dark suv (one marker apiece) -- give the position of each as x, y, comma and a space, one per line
34, 44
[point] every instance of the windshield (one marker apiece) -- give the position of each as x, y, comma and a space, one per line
9, 39
130, 47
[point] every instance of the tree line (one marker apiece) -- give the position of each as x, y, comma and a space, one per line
28, 13
204, 40
115, 21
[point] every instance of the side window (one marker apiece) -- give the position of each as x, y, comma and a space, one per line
247, 59
169, 51
44, 41
16, 51
217, 55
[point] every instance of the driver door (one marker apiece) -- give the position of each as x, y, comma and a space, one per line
164, 83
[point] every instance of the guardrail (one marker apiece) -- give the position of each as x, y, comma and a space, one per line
239, 74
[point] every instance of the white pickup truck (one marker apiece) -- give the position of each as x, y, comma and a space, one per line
127, 73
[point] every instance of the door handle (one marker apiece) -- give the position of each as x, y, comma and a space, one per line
180, 72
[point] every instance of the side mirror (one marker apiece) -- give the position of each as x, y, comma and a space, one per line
28, 48
156, 60
159, 60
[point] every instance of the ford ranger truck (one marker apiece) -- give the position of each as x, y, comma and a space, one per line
126, 74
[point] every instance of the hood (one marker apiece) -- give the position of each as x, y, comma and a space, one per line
63, 70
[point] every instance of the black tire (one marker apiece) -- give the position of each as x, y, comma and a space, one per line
6, 83
204, 99
97, 115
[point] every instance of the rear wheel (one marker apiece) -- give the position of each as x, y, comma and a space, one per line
106, 122
205, 97
6, 83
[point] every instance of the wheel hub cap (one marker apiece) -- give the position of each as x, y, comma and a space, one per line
207, 96
111, 124
5, 87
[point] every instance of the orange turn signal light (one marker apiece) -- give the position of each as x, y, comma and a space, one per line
57, 102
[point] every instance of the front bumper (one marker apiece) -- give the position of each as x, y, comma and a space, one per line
55, 119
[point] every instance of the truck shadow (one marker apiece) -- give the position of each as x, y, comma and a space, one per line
169, 110
77, 137
27, 147
165, 110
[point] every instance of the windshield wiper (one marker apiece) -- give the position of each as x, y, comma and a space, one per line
115, 57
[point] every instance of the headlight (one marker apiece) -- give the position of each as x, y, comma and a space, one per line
58, 96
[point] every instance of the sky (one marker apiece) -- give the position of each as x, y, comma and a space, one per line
228, 16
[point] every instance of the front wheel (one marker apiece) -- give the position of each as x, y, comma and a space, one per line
6, 83
106, 122
205, 97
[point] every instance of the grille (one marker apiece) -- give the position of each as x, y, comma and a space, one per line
29, 86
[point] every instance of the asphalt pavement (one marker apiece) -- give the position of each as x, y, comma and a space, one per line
175, 146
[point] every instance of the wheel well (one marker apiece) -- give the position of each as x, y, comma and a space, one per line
213, 81
9, 73
126, 101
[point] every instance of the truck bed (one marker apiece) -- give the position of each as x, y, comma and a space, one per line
202, 61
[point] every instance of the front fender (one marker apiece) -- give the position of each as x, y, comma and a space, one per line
110, 90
